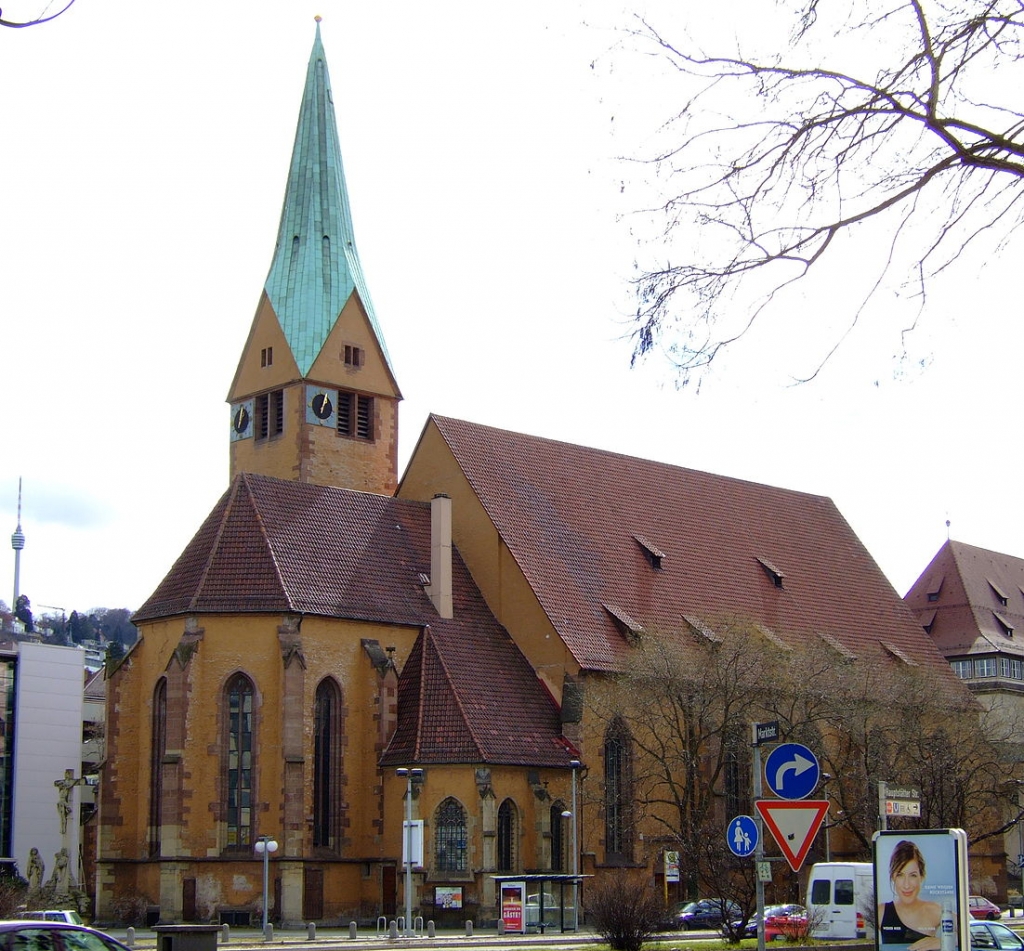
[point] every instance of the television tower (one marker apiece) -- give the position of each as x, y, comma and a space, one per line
17, 543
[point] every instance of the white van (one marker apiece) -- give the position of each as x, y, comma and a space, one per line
841, 900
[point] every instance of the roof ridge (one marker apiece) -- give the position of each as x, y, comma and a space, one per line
267, 540
456, 692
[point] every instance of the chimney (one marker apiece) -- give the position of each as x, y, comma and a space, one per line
440, 587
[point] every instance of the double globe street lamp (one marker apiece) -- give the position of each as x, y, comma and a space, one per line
265, 845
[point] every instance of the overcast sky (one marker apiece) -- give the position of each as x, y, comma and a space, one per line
145, 149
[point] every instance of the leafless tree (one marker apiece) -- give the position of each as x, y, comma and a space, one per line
774, 165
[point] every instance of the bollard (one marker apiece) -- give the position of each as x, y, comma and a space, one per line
393, 930
501, 926
311, 931
268, 932
469, 927
129, 938
430, 928
225, 933
352, 932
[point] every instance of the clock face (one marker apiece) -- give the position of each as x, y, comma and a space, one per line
241, 420
322, 406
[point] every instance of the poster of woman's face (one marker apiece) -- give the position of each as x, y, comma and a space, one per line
920, 890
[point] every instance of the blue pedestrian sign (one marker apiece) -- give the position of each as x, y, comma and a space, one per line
742, 836
792, 771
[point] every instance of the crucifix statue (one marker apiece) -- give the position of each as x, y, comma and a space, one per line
65, 787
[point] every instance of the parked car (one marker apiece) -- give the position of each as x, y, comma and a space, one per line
781, 923
61, 914
36, 935
707, 913
990, 934
553, 918
983, 908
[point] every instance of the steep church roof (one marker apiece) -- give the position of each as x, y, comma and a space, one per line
273, 546
971, 600
610, 543
316, 265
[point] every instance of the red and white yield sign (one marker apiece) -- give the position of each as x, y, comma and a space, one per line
793, 825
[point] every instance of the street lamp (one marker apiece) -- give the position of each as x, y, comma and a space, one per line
411, 776
265, 844
575, 764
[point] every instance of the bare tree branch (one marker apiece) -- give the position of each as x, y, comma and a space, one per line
771, 162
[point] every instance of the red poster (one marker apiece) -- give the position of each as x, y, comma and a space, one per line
513, 899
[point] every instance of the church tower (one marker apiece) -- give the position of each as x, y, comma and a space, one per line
314, 398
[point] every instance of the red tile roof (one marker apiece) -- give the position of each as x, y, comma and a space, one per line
274, 546
583, 525
967, 615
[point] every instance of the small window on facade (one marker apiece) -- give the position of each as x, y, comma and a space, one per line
353, 356
267, 357
962, 668
773, 573
270, 414
998, 592
933, 595
985, 667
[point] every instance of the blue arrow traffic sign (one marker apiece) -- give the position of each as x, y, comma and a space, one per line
742, 836
791, 771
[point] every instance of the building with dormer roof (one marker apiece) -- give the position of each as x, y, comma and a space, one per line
329, 624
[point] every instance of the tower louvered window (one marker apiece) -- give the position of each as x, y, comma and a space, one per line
355, 414
270, 414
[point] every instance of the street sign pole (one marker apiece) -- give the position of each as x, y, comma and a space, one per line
759, 850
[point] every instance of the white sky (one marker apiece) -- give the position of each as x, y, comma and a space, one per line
142, 170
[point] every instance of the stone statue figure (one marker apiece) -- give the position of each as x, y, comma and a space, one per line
65, 787
60, 876
36, 868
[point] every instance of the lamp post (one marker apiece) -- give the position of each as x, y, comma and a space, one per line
265, 844
575, 765
411, 776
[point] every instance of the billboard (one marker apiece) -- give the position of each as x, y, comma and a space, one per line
921, 890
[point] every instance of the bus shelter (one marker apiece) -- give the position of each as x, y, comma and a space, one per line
539, 902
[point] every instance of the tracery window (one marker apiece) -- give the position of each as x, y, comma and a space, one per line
507, 836
618, 792
239, 765
450, 850
327, 766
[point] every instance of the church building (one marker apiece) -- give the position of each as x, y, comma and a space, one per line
332, 623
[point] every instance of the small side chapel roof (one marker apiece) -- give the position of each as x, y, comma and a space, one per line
272, 546
316, 265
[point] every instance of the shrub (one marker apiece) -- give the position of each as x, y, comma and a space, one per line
624, 910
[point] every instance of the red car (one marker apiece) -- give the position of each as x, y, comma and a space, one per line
982, 908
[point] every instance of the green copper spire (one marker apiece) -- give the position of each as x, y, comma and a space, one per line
316, 266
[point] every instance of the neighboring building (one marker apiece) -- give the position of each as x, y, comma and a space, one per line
41, 731
970, 601
328, 624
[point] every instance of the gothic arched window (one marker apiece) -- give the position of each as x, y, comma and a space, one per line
157, 749
327, 766
507, 827
238, 761
618, 792
450, 851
